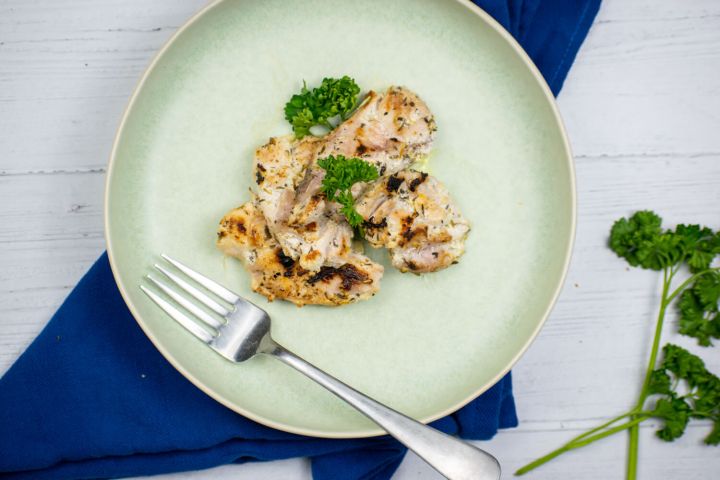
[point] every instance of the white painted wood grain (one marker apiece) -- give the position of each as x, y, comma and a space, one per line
642, 106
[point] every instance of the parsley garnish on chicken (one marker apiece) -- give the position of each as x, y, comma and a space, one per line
340, 175
335, 97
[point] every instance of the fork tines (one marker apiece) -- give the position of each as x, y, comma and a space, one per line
214, 320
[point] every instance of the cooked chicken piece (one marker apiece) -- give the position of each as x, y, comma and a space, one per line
278, 168
390, 130
412, 215
243, 233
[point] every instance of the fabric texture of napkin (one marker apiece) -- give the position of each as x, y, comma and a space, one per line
92, 398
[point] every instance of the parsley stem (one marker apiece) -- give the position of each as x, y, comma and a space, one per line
586, 439
604, 425
634, 430
623, 426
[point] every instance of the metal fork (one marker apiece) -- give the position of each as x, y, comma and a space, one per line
241, 330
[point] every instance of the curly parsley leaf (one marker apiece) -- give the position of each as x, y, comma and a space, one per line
683, 364
335, 97
698, 306
629, 237
662, 251
707, 288
701, 401
641, 241
693, 321
700, 245
675, 413
299, 113
660, 383
348, 209
340, 175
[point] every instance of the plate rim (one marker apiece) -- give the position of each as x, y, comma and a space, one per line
368, 432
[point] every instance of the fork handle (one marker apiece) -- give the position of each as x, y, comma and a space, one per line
452, 457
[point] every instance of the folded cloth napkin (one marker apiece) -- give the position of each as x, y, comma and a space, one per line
92, 398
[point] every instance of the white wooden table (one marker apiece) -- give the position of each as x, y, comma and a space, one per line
642, 106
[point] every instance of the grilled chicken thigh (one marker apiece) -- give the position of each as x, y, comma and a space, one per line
278, 169
390, 131
411, 214
243, 233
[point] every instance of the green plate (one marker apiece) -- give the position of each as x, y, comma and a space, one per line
425, 345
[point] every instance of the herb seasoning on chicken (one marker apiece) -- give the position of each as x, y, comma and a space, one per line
243, 234
411, 214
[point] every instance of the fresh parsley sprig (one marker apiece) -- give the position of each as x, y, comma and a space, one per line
643, 243
340, 175
701, 400
335, 97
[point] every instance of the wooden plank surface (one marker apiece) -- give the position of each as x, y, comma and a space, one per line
641, 104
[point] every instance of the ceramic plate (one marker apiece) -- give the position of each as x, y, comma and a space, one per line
425, 345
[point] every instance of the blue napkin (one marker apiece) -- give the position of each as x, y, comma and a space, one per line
92, 398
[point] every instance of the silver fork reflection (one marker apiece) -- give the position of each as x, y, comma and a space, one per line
239, 330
